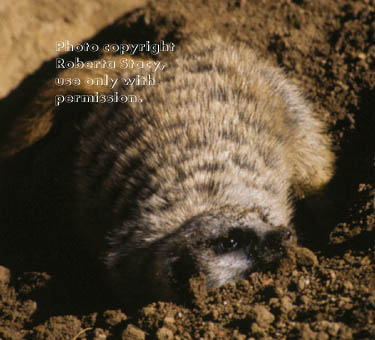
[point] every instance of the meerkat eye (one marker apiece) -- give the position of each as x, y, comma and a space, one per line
229, 243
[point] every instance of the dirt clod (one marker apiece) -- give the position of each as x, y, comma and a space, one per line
57, 328
133, 333
4, 275
305, 257
99, 334
164, 334
113, 317
286, 304
262, 316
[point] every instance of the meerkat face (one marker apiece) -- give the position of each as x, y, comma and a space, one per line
225, 250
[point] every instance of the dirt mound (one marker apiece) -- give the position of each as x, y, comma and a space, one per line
50, 288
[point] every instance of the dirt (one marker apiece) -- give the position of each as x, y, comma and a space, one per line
29, 28
50, 288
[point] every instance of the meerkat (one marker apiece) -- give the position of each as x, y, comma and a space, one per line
199, 176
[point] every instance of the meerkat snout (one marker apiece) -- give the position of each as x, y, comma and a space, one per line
225, 249
272, 248
277, 239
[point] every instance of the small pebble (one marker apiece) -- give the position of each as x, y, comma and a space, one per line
113, 317
262, 316
306, 257
99, 334
169, 321
164, 334
4, 275
286, 304
133, 333
348, 285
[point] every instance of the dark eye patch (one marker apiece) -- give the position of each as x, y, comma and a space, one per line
236, 239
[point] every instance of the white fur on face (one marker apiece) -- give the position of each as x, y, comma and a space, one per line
227, 268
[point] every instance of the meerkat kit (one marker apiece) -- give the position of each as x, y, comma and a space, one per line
199, 176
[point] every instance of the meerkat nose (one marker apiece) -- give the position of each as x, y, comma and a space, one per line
273, 240
288, 237
277, 239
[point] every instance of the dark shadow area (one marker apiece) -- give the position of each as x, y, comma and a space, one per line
242, 324
361, 242
354, 165
355, 162
37, 233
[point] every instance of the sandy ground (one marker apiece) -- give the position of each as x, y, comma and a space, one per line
50, 288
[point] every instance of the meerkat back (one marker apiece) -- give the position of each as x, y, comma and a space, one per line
198, 175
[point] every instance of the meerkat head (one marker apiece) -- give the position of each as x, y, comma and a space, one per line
225, 249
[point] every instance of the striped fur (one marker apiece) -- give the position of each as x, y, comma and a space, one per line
223, 136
